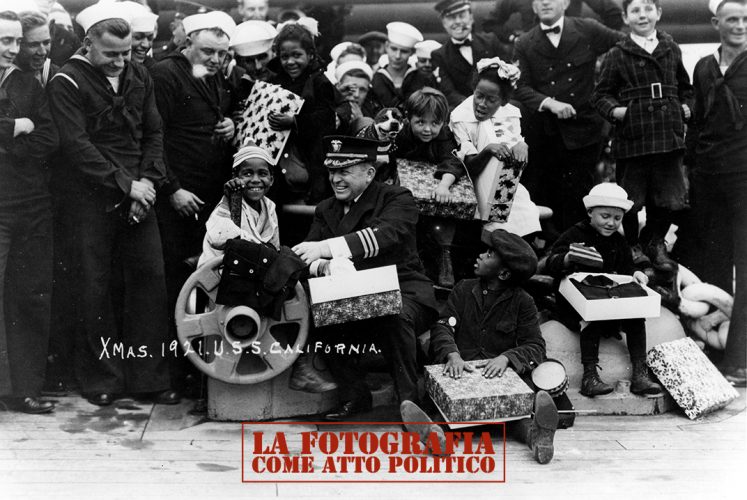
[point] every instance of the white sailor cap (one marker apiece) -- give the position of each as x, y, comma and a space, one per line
338, 49
713, 5
209, 20
101, 12
403, 34
19, 6
425, 48
351, 65
142, 19
253, 37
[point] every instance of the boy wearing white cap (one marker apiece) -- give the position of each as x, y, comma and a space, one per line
111, 141
256, 220
389, 81
606, 204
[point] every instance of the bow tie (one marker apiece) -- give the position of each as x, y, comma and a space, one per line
462, 43
555, 29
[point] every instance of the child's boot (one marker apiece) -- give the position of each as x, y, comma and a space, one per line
641, 382
657, 252
591, 384
542, 430
305, 377
445, 268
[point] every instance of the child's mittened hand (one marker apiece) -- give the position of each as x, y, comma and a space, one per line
455, 366
686, 111
494, 367
442, 194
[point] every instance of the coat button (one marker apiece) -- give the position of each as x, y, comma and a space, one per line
552, 83
236, 263
651, 108
569, 65
264, 261
664, 108
484, 292
572, 94
251, 271
642, 64
570, 79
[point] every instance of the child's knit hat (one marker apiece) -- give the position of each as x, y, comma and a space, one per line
607, 194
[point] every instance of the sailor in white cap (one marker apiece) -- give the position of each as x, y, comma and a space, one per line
252, 46
423, 51
400, 45
111, 144
144, 27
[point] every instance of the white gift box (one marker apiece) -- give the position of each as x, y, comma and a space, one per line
612, 308
354, 296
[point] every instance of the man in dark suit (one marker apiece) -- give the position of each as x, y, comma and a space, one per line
557, 59
374, 225
457, 58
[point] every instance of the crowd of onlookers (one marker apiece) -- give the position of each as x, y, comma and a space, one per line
118, 161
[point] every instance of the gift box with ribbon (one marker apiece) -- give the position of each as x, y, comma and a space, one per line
418, 177
693, 381
474, 398
355, 295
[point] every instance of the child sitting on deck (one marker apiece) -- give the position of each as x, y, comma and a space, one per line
606, 204
493, 318
252, 178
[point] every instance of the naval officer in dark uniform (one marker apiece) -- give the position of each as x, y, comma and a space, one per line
373, 224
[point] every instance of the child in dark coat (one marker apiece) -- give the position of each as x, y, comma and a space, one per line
645, 92
606, 204
426, 137
493, 318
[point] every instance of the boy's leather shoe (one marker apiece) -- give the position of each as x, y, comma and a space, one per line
35, 406
304, 377
101, 399
417, 421
592, 385
542, 431
347, 410
167, 397
735, 376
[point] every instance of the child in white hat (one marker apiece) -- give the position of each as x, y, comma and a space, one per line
606, 204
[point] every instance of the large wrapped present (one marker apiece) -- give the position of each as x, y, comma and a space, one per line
355, 295
417, 176
474, 398
506, 183
693, 381
254, 124
621, 299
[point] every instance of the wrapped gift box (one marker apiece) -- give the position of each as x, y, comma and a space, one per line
418, 178
354, 296
585, 256
693, 381
474, 398
506, 183
612, 308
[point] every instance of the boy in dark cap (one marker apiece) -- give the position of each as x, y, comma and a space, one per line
493, 318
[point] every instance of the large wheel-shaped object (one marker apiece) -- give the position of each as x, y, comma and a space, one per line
234, 344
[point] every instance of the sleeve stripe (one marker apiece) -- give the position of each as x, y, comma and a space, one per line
374, 241
364, 242
68, 78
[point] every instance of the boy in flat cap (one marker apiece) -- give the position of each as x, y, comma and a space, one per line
493, 318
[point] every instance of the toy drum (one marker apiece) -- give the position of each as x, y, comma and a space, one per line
550, 376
